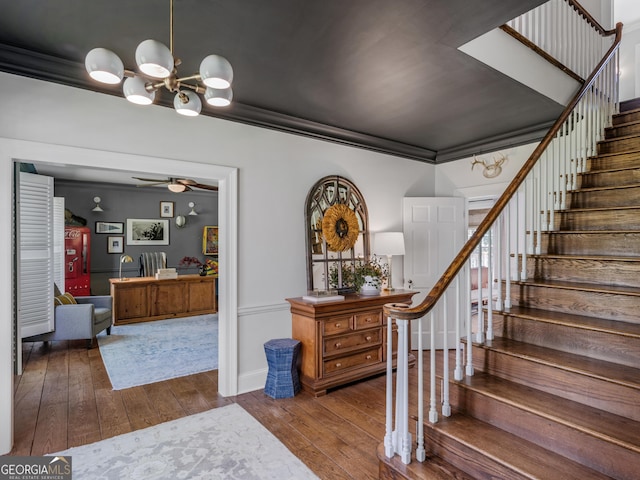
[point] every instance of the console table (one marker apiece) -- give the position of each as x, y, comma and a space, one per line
144, 299
343, 341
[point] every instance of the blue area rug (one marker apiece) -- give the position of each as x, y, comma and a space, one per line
149, 352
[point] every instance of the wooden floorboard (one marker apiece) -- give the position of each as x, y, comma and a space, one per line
64, 399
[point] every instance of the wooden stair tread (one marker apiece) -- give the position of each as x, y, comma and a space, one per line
613, 154
606, 371
598, 209
615, 327
588, 232
625, 124
604, 258
522, 456
592, 421
617, 139
607, 188
588, 287
610, 170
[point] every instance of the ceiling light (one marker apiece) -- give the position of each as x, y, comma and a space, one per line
218, 97
176, 187
157, 65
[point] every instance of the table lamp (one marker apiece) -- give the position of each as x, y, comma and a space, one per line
124, 259
389, 244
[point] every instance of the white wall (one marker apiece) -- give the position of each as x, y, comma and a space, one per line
457, 179
276, 170
630, 62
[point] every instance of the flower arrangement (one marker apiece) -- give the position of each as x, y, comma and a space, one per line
370, 273
190, 262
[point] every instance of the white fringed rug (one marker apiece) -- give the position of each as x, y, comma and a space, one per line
223, 443
148, 352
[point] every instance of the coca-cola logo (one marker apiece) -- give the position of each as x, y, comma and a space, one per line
72, 234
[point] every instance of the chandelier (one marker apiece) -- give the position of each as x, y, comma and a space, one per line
157, 67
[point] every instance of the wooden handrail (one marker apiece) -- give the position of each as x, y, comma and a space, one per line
405, 312
589, 18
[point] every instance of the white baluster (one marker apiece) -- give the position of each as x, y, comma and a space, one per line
469, 362
490, 286
389, 444
446, 407
507, 252
499, 267
457, 372
480, 312
421, 454
433, 409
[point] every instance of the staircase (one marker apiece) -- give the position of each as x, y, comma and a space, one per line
556, 393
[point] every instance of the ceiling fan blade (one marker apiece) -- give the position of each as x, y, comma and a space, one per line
158, 181
205, 187
151, 184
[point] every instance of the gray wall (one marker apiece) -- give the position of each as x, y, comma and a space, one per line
120, 202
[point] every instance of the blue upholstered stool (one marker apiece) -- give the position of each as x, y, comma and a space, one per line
282, 358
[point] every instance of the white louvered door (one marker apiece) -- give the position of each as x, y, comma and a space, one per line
35, 254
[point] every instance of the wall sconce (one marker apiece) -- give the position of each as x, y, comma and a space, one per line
389, 244
192, 206
97, 208
124, 259
181, 221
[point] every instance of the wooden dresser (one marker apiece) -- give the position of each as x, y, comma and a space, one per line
144, 299
343, 341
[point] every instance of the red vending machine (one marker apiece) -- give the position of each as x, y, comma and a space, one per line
77, 245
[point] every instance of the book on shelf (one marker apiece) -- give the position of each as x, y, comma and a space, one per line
322, 298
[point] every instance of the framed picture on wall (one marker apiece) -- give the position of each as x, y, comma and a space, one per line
147, 231
166, 209
210, 240
115, 244
109, 227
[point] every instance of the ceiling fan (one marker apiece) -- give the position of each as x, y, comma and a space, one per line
176, 185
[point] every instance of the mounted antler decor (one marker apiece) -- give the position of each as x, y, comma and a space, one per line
491, 170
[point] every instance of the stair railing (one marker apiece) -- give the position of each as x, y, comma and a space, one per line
516, 222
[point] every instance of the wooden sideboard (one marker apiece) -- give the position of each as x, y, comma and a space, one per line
144, 299
343, 341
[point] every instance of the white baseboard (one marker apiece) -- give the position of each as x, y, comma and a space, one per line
252, 381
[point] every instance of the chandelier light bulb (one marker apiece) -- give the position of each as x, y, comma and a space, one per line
218, 97
154, 59
187, 103
216, 72
104, 66
135, 91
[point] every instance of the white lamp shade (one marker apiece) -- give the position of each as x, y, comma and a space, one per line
176, 187
218, 97
216, 72
154, 59
388, 243
104, 66
135, 91
191, 107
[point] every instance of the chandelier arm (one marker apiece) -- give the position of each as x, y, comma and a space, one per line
196, 88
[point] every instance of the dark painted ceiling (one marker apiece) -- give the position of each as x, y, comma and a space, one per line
380, 74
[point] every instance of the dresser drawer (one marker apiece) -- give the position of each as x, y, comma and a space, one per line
336, 325
360, 359
372, 318
336, 345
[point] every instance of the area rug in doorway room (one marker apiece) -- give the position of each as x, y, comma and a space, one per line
223, 443
148, 352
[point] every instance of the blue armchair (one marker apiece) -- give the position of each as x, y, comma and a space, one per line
83, 320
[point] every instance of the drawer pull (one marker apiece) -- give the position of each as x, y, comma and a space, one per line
338, 365
368, 357
338, 325
368, 339
368, 320
338, 345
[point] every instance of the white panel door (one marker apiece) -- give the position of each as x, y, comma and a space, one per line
35, 254
434, 231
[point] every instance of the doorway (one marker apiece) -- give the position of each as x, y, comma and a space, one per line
71, 157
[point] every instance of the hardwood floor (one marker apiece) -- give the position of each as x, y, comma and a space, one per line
64, 399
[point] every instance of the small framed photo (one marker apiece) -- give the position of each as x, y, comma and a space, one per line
109, 227
166, 209
115, 244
